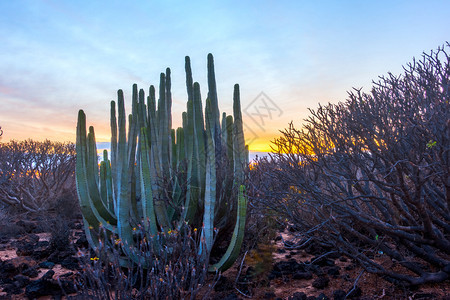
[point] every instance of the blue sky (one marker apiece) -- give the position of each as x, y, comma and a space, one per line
61, 56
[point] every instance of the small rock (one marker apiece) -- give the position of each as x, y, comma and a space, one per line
302, 275
30, 272
25, 249
278, 238
339, 295
7, 270
39, 288
12, 288
48, 275
70, 263
269, 295
298, 296
334, 271
288, 267
322, 296
350, 267
21, 281
321, 282
47, 265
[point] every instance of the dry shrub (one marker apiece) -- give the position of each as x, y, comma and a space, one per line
370, 176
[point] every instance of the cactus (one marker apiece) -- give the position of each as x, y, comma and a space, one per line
162, 177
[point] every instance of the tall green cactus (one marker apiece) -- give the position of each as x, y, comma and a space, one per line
166, 177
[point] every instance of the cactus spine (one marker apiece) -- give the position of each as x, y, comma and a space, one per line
163, 176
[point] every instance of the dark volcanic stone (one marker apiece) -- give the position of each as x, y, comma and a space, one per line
288, 267
322, 296
82, 242
12, 288
339, 295
25, 249
30, 272
333, 271
40, 288
321, 282
302, 275
48, 275
323, 262
21, 281
350, 267
298, 296
7, 270
47, 265
70, 263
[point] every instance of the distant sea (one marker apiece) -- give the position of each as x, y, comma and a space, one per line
106, 145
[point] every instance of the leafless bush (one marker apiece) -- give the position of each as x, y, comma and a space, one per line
370, 176
33, 175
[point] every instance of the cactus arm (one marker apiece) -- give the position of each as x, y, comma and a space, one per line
91, 217
238, 139
212, 94
190, 207
210, 183
102, 183
109, 188
168, 121
98, 206
81, 174
234, 248
113, 124
229, 141
163, 131
199, 143
121, 146
146, 185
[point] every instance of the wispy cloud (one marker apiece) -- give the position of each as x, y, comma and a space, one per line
60, 56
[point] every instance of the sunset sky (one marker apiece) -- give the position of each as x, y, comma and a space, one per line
57, 57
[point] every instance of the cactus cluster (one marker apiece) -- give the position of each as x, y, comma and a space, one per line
161, 177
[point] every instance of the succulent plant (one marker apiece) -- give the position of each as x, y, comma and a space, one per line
163, 178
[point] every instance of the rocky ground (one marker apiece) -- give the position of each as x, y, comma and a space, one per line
37, 264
